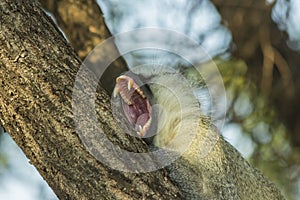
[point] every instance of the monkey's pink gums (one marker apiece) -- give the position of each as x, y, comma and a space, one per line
135, 104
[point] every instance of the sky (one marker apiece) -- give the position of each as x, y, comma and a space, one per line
21, 180
287, 17
197, 19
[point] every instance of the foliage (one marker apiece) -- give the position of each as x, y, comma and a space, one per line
273, 152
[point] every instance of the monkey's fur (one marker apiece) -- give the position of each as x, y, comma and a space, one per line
210, 168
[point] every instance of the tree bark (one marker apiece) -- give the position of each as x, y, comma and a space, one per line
37, 72
84, 26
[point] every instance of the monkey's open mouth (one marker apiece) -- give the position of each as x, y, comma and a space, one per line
135, 104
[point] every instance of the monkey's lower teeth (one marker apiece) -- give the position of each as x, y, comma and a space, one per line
144, 119
143, 130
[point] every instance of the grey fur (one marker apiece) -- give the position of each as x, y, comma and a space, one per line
209, 167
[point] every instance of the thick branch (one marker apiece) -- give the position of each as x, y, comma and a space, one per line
37, 73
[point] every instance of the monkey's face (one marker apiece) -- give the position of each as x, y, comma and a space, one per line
158, 104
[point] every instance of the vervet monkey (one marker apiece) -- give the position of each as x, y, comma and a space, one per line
220, 173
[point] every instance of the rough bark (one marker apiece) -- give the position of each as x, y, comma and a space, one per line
83, 23
37, 73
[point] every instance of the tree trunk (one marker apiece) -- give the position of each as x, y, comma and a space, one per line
37, 72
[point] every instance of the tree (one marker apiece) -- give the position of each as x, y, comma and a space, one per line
263, 47
272, 71
80, 16
37, 71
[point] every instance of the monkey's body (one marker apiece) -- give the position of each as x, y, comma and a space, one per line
209, 167
222, 174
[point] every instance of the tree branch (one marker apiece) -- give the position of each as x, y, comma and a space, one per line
246, 25
83, 23
37, 72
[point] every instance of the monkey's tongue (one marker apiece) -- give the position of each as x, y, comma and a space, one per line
138, 113
141, 123
142, 119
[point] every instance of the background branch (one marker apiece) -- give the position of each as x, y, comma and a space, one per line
247, 20
83, 24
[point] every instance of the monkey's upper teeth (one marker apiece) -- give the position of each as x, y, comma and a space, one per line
125, 98
130, 84
119, 78
140, 92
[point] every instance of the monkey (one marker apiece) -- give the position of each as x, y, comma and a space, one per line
208, 166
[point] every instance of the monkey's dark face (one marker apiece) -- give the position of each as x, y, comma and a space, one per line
135, 102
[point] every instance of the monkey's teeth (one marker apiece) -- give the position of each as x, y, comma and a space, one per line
140, 92
119, 78
125, 99
130, 84
116, 91
142, 130
147, 125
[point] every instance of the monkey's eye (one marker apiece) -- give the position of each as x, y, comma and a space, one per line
135, 104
